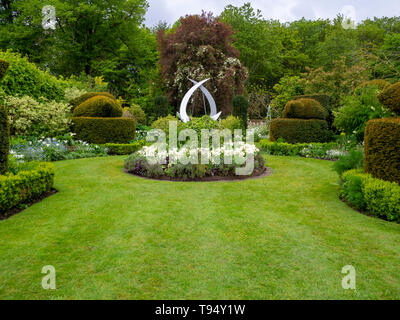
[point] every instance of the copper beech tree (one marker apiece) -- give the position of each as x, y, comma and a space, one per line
201, 47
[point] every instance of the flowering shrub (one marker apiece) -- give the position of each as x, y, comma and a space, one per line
29, 117
188, 163
73, 93
52, 149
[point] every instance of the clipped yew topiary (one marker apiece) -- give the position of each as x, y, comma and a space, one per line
300, 130
4, 140
240, 109
77, 101
99, 106
390, 97
104, 130
325, 102
382, 149
304, 109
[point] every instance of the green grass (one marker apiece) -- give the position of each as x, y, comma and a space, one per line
111, 235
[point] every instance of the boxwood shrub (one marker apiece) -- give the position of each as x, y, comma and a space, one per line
99, 106
300, 130
104, 130
26, 186
382, 149
124, 149
4, 140
304, 109
390, 97
380, 198
81, 99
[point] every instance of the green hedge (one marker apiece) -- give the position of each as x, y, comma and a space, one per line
390, 97
99, 106
304, 109
3, 68
124, 149
380, 198
104, 130
287, 149
382, 149
325, 102
4, 140
300, 131
81, 99
26, 186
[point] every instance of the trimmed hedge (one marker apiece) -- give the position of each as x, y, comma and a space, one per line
390, 97
26, 186
382, 149
99, 106
380, 198
286, 149
3, 68
300, 131
240, 109
81, 99
325, 102
4, 140
124, 149
104, 130
304, 109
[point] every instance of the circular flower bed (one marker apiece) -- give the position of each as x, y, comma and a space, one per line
237, 162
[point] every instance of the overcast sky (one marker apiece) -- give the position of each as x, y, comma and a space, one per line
283, 10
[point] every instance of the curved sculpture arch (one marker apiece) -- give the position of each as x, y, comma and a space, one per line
182, 111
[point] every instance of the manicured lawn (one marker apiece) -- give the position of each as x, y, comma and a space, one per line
111, 235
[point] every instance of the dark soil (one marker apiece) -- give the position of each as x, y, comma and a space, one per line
265, 172
24, 206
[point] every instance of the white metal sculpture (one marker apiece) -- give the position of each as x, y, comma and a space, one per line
182, 114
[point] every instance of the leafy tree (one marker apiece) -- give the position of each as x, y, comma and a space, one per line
199, 48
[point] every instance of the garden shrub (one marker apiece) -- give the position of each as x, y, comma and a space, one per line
379, 84
4, 140
24, 78
325, 102
82, 98
390, 97
26, 186
29, 117
104, 130
304, 109
3, 68
99, 107
240, 109
380, 198
382, 149
161, 105
137, 112
300, 130
124, 149
353, 160
163, 123
201, 123
231, 123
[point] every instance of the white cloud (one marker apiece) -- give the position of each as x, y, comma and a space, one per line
283, 10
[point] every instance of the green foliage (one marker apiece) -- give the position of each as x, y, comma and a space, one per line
3, 68
325, 102
287, 88
240, 109
163, 123
26, 79
4, 140
100, 107
353, 160
231, 123
29, 117
104, 130
381, 146
26, 186
357, 110
378, 197
161, 106
137, 112
304, 109
300, 131
379, 84
82, 98
390, 97
124, 149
